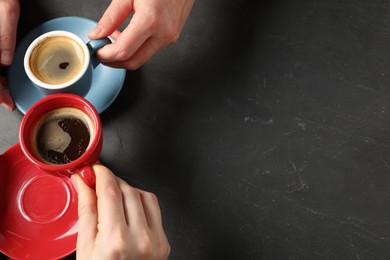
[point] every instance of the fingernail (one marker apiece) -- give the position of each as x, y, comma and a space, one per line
9, 108
6, 58
96, 31
73, 180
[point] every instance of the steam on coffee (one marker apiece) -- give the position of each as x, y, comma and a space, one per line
63, 136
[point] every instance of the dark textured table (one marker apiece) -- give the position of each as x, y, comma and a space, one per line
264, 131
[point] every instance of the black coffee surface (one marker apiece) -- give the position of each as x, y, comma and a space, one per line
62, 140
57, 60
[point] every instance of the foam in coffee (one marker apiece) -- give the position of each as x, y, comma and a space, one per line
63, 135
56, 60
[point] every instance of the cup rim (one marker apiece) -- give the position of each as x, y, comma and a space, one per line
54, 102
42, 37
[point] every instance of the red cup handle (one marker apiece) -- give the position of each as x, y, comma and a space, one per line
88, 175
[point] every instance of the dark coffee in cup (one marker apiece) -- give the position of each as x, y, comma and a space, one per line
57, 60
63, 135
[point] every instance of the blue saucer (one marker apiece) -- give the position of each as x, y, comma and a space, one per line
106, 81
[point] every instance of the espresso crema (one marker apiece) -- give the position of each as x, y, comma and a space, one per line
56, 60
63, 135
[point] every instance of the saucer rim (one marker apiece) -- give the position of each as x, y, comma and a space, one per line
56, 23
16, 150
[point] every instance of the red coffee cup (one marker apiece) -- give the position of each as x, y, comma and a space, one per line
55, 106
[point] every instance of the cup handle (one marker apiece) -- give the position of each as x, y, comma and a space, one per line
95, 45
88, 175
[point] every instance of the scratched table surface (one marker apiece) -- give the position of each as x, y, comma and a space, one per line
264, 131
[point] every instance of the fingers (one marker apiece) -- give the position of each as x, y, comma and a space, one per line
112, 18
154, 25
133, 207
139, 58
119, 202
151, 209
5, 98
9, 15
87, 211
110, 202
127, 43
118, 221
153, 216
144, 217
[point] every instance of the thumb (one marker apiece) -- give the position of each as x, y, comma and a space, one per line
87, 211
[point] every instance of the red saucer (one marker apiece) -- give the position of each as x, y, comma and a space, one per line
38, 211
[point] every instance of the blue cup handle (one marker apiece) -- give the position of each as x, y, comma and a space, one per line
95, 45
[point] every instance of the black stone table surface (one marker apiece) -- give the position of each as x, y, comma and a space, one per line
264, 131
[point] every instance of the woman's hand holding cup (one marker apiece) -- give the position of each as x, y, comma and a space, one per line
62, 134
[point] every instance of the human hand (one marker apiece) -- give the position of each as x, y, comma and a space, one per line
118, 221
9, 16
155, 24
5, 98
